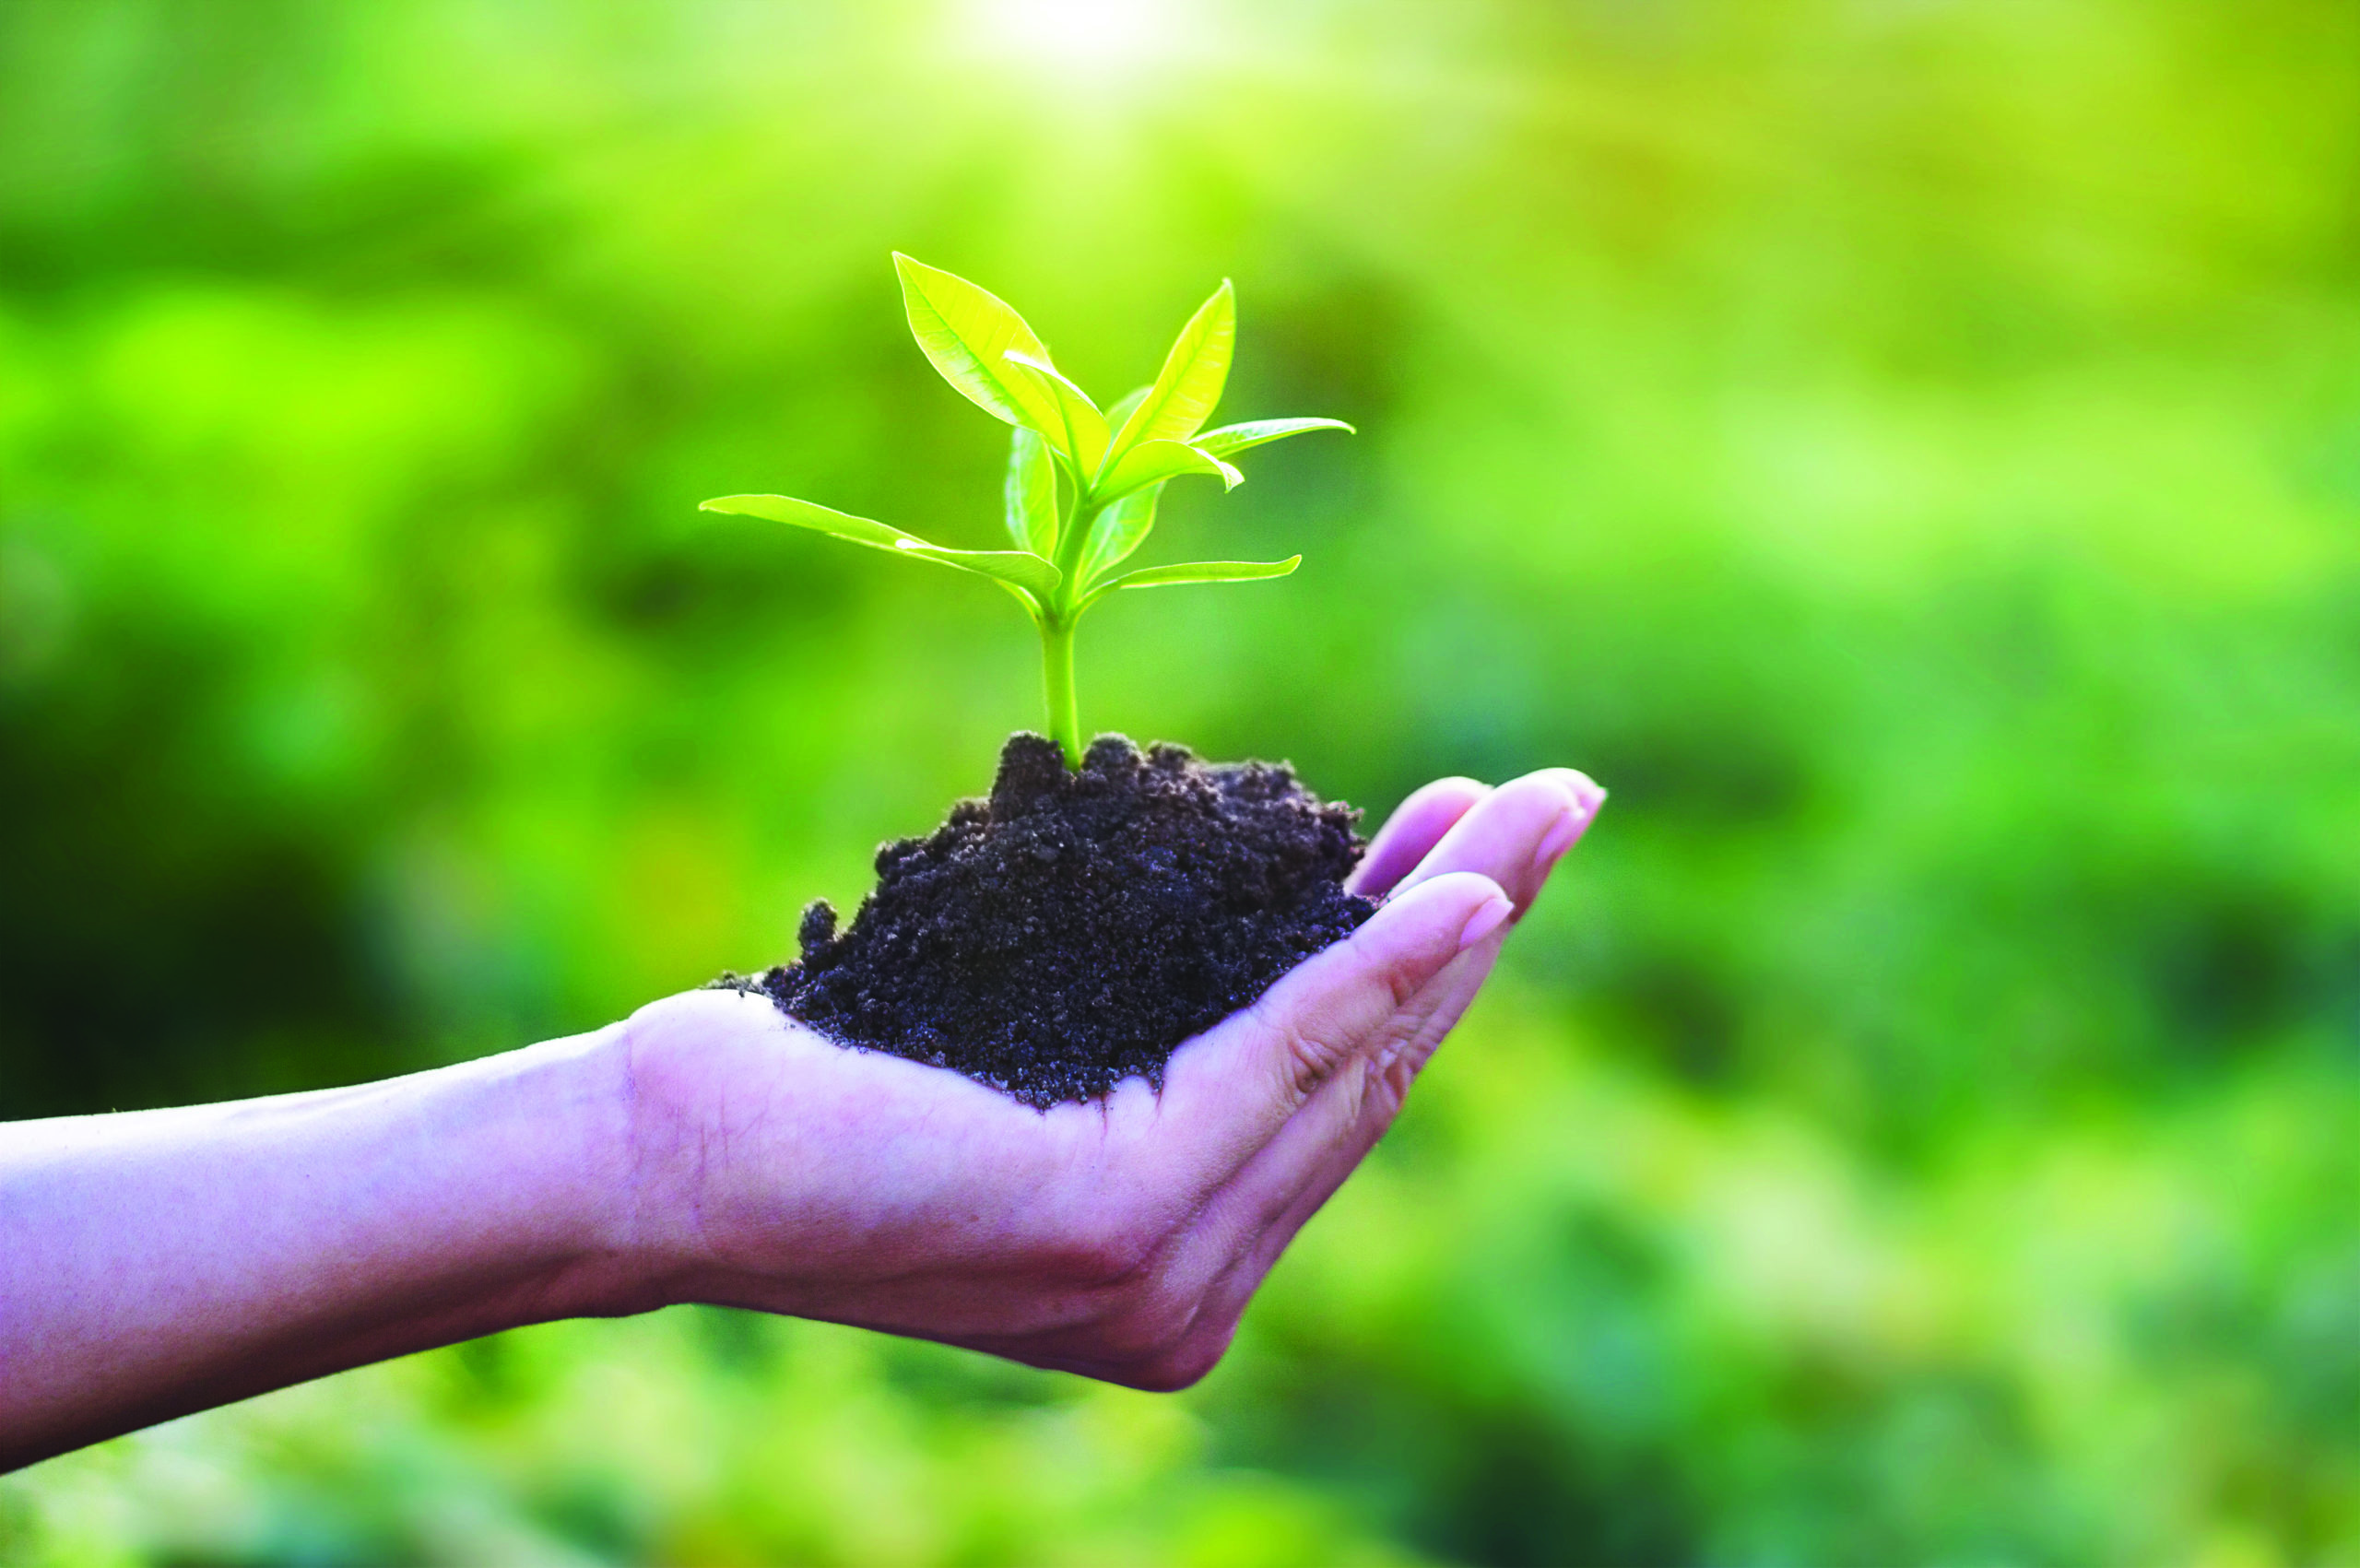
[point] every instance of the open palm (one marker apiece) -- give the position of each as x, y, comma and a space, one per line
1119, 1238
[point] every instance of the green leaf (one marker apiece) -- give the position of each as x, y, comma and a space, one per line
1083, 427
1029, 492
1018, 568
1032, 605
1194, 572
1258, 432
967, 332
1176, 407
1120, 529
810, 514
1153, 460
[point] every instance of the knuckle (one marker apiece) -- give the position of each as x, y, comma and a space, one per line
1311, 1061
1401, 983
1305, 1058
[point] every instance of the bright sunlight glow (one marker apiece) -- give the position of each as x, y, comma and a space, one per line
1080, 38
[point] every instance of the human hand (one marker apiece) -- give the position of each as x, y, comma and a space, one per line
157, 1262
1122, 1238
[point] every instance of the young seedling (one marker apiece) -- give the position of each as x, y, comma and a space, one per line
1082, 484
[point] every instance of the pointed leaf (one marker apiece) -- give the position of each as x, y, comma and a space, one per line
1194, 572
1153, 460
1084, 428
1029, 492
1205, 572
1256, 433
1176, 407
1022, 570
1120, 529
810, 514
967, 332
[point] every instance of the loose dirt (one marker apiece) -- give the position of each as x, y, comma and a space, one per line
1075, 927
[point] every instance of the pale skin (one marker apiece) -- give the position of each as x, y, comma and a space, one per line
709, 1149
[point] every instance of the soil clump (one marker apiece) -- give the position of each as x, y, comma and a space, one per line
1076, 926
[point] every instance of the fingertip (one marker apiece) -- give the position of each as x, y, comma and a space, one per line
1584, 796
1315, 1017
1588, 795
1488, 917
1456, 786
1419, 823
1445, 913
1407, 942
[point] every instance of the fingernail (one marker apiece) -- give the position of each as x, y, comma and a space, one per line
1557, 840
1483, 922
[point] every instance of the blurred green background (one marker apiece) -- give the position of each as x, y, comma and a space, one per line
1908, 450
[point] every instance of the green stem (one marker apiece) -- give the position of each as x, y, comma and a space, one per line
1058, 623
1073, 538
1056, 680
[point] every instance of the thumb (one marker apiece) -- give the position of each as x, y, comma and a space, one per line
1246, 1076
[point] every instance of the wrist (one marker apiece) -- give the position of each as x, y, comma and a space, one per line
652, 1218
732, 1196
571, 1109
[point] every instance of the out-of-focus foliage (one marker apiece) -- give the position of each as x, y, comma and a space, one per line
1910, 452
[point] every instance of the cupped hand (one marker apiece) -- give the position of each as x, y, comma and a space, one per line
1120, 1238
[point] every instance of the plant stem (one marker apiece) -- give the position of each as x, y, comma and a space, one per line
1060, 614
1056, 680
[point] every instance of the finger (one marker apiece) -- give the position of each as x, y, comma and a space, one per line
1517, 835
1231, 1088
1415, 827
1250, 1221
1253, 1185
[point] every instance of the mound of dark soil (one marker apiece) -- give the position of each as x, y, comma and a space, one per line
1077, 925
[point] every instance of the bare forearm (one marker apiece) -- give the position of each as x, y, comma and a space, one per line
161, 1262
